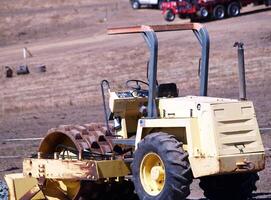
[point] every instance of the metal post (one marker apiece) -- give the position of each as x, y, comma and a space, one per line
152, 42
103, 84
204, 40
241, 70
204, 67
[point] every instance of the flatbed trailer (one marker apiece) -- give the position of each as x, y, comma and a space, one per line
202, 9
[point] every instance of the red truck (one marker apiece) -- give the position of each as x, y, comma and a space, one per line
202, 9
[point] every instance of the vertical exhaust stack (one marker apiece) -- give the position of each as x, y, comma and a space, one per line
241, 70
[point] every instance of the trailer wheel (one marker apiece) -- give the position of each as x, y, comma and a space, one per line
233, 9
169, 15
203, 12
219, 12
135, 4
233, 186
161, 169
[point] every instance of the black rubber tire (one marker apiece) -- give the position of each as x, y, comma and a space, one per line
169, 15
177, 168
3, 190
233, 9
219, 12
233, 186
203, 13
135, 4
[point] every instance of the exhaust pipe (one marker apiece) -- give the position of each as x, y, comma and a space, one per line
241, 70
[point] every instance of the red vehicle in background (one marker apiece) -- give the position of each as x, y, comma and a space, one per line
202, 9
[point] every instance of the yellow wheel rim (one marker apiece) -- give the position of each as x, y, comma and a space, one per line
152, 174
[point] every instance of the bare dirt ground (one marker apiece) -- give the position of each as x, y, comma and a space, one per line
70, 39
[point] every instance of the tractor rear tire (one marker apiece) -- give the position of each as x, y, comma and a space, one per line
169, 15
219, 12
161, 169
233, 9
233, 186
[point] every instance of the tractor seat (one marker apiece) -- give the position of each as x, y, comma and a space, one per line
167, 90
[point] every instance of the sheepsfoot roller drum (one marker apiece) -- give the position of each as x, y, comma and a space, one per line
77, 161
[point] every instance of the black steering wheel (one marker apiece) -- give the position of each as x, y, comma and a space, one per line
137, 85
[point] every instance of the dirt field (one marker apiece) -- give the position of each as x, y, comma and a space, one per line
70, 39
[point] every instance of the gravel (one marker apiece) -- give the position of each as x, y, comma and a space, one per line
3, 190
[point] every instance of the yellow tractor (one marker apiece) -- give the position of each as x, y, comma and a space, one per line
157, 143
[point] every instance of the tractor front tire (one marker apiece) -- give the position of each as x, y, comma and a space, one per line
161, 169
169, 15
232, 186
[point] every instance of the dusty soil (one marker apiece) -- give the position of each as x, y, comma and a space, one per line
70, 39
